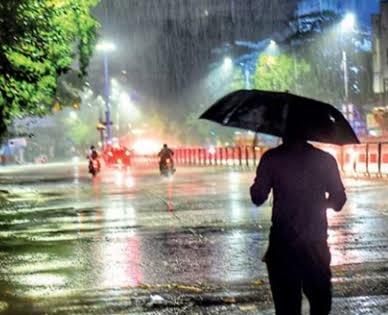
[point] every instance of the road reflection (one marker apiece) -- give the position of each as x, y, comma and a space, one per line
356, 235
105, 234
170, 196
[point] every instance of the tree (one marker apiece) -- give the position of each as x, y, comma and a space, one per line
280, 73
39, 41
70, 88
238, 81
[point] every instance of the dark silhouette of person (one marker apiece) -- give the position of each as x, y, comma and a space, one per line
305, 182
164, 154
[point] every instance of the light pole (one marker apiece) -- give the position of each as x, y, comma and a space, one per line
106, 48
347, 25
228, 64
247, 74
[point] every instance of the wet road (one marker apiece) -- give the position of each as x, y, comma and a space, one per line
132, 242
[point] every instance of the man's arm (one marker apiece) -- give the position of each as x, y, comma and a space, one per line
335, 187
263, 182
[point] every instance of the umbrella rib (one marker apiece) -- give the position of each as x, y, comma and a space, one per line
230, 115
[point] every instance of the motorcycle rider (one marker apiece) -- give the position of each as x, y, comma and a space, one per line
93, 155
165, 154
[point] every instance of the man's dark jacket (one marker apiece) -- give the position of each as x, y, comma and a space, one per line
305, 183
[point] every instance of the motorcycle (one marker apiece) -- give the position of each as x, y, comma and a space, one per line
94, 167
167, 167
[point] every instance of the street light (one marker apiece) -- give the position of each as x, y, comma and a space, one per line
272, 44
228, 63
247, 75
106, 48
348, 22
73, 115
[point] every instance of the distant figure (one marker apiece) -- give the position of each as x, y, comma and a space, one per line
92, 154
94, 161
305, 182
165, 154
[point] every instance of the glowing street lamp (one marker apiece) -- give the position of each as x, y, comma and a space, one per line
272, 44
73, 115
228, 63
106, 47
348, 22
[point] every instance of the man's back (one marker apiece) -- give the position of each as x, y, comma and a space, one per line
305, 182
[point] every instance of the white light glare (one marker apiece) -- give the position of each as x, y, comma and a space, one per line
106, 46
348, 22
73, 115
212, 150
228, 62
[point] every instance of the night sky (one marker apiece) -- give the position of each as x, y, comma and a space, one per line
165, 46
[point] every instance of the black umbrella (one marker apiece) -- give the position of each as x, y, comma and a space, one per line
277, 113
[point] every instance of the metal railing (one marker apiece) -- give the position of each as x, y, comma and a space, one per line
368, 159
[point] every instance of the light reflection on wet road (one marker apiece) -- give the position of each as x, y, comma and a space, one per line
64, 235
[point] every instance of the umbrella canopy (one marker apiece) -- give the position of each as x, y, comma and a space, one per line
279, 114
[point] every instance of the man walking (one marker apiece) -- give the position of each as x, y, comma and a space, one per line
305, 182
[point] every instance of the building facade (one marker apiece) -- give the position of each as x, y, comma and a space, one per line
362, 8
380, 52
312, 6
